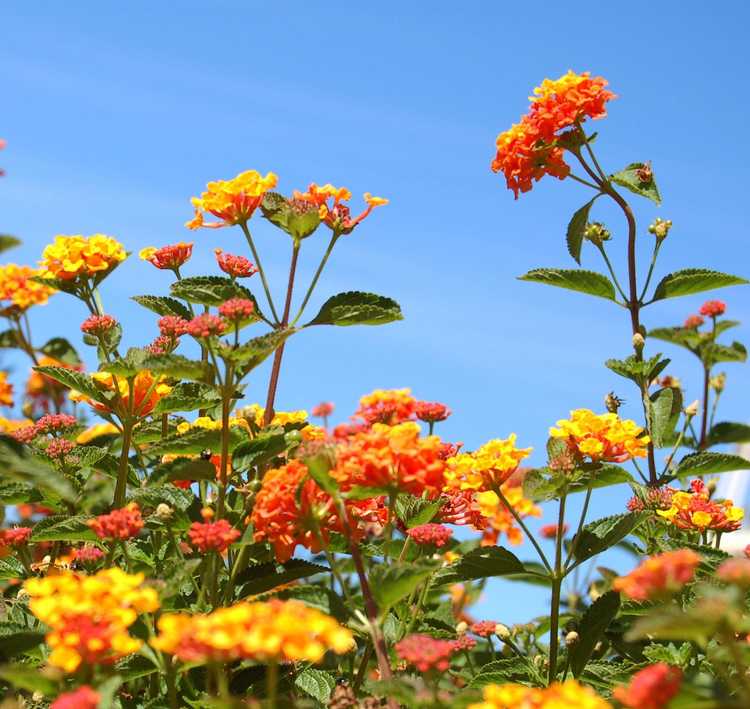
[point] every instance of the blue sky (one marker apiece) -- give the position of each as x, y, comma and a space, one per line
116, 115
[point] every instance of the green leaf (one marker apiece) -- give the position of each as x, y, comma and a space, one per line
196, 441
482, 563
397, 580
8, 242
729, 432
260, 578
261, 449
663, 407
74, 380
709, 463
712, 353
255, 351
183, 469
16, 639
162, 305
594, 622
299, 222
18, 466
29, 678
318, 467
579, 280
604, 533
576, 229
631, 178
508, 669
316, 683
13, 493
639, 371
188, 396
683, 337
357, 308
541, 485
669, 653
414, 511
9, 339
174, 365
60, 528
60, 349
150, 497
694, 280
670, 623
11, 568
107, 691
209, 290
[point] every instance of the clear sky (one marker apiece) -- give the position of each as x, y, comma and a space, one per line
115, 114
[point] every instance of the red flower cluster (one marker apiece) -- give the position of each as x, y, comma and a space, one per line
212, 536
430, 533
713, 308
54, 423
530, 149
162, 345
82, 698
237, 309
483, 628
389, 406
323, 410
463, 642
58, 448
659, 576
735, 571
234, 266
693, 322
169, 257
172, 326
119, 524
425, 653
98, 324
206, 325
13, 537
88, 554
431, 411
650, 688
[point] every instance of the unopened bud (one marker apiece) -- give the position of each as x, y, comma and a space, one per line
462, 627
718, 382
255, 485
644, 173
572, 638
207, 513
163, 512
612, 402
597, 233
502, 631
711, 486
660, 228
692, 410
594, 592
638, 341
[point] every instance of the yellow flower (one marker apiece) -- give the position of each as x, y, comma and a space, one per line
71, 257
147, 391
206, 422
285, 631
280, 418
6, 390
11, 425
16, 286
487, 467
701, 519
313, 433
232, 201
566, 695
601, 437
93, 432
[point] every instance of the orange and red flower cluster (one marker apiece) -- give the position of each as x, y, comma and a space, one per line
330, 203
119, 524
713, 308
659, 576
530, 149
98, 324
426, 653
653, 687
13, 537
234, 266
169, 257
17, 287
212, 536
82, 698
696, 511
430, 534
559, 695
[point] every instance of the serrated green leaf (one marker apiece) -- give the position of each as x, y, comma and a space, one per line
709, 463
357, 308
637, 370
591, 628
13, 493
11, 568
74, 380
260, 578
397, 580
209, 290
58, 528
255, 351
713, 353
509, 669
482, 563
576, 229
663, 407
631, 178
414, 511
168, 494
694, 280
60, 349
163, 305
260, 449
183, 469
600, 535
174, 365
729, 432
316, 683
681, 336
187, 396
29, 678
196, 441
589, 282
298, 222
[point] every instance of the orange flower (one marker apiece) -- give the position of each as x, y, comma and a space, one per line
231, 201
659, 576
497, 518
696, 511
212, 536
6, 390
71, 257
653, 687
16, 286
119, 524
389, 406
147, 389
169, 257
335, 214
391, 457
735, 571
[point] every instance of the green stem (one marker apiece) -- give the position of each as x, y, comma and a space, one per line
657, 246
611, 271
583, 182
574, 543
554, 630
122, 470
272, 683
261, 272
316, 277
226, 403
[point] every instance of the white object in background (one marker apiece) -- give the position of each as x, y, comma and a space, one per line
735, 486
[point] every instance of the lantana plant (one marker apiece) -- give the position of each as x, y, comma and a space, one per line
189, 548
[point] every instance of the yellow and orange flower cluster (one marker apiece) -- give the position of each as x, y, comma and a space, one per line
273, 631
498, 518
147, 391
330, 203
490, 465
659, 576
17, 287
280, 418
392, 457
389, 406
695, 511
601, 437
72, 257
559, 695
89, 615
6, 390
530, 149
231, 201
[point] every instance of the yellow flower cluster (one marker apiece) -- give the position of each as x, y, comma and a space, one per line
89, 615
487, 467
281, 631
232, 201
6, 390
16, 286
93, 432
147, 390
11, 425
71, 257
280, 418
601, 437
499, 519
566, 695
206, 422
